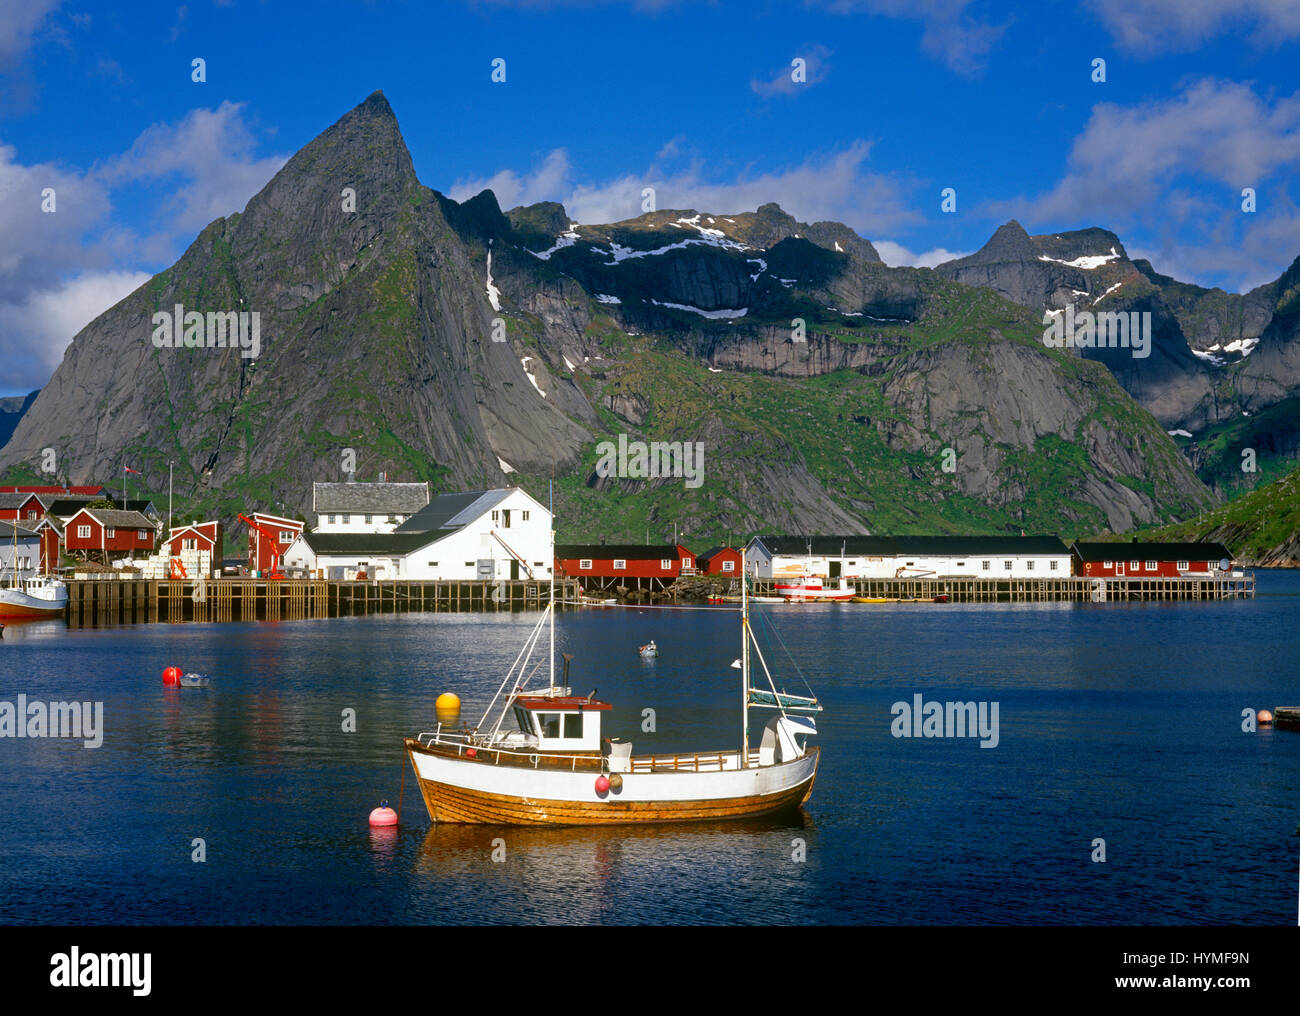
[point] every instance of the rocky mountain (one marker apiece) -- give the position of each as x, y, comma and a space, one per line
472, 347
11, 411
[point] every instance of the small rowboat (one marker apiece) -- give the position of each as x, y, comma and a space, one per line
649, 649
194, 681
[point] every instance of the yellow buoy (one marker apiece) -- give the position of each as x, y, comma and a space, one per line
447, 703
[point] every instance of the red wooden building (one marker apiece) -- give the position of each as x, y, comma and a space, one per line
24, 506
1148, 560
197, 536
600, 565
106, 533
272, 541
51, 541
724, 561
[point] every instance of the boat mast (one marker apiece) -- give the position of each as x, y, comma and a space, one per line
552, 562
744, 665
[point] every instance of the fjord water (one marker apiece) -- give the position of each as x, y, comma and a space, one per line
1120, 722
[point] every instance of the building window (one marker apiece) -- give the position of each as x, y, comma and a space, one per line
1182, 566
1006, 565
433, 564
1108, 564
83, 532
585, 564
370, 520
31, 515
286, 536
986, 565
142, 533
1052, 565
526, 516
1151, 566
110, 533
390, 519
469, 564
496, 516
665, 564
728, 565
1029, 566
620, 564
189, 543
331, 519
686, 562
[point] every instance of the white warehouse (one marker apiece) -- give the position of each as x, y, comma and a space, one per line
485, 534
987, 557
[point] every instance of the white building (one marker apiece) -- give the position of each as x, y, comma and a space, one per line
484, 534
20, 549
365, 507
985, 557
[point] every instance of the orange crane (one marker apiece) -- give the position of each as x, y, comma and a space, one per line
273, 540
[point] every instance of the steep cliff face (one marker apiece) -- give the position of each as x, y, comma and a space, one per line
457, 343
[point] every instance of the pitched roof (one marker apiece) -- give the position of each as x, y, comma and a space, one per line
896, 546
7, 527
369, 498
448, 512
1103, 551
11, 500
713, 552
115, 519
64, 506
623, 551
366, 543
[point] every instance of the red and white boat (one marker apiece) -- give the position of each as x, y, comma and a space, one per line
811, 588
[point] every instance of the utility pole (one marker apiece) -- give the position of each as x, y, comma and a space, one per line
169, 497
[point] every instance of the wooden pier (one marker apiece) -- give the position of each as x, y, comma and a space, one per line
128, 601
1070, 589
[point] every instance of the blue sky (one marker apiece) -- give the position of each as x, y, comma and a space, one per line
902, 99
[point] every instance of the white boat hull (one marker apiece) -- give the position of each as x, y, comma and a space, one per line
18, 603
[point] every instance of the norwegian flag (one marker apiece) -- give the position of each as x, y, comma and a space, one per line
128, 469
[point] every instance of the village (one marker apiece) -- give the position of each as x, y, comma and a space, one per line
385, 532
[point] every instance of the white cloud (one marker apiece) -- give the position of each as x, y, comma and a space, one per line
212, 151
1159, 26
834, 186
895, 255
816, 67
950, 35
35, 331
19, 21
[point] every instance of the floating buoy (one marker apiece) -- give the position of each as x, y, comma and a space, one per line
1265, 718
616, 782
172, 676
602, 785
447, 703
383, 815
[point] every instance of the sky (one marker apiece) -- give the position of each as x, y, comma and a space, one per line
1004, 103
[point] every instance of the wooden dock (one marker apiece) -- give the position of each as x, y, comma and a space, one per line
1070, 589
128, 601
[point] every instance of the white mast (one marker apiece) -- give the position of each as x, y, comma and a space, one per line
552, 563
744, 665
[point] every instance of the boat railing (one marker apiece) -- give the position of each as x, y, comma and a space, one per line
465, 741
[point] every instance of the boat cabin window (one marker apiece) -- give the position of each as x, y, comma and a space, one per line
524, 719
549, 723
573, 724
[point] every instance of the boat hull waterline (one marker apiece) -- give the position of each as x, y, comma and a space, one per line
460, 790
16, 603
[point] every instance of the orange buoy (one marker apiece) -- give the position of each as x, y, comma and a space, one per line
1265, 718
172, 676
447, 703
383, 815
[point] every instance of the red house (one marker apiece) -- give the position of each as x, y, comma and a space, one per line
618, 564
274, 535
23, 506
723, 561
107, 533
1148, 560
197, 536
51, 541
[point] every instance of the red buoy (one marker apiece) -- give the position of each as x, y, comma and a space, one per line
172, 676
383, 815
602, 785
1265, 718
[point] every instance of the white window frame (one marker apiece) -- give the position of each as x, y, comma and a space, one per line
585, 564
620, 564
110, 533
665, 563
83, 532
1184, 566
728, 565
1152, 565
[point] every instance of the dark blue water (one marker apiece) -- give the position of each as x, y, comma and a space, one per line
1117, 721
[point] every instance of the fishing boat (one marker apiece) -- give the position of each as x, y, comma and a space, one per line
807, 588
553, 767
37, 596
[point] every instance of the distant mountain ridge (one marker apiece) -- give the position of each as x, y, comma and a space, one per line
456, 343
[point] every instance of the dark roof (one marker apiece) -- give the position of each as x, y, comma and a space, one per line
1116, 550
65, 506
11, 500
624, 551
24, 532
713, 552
452, 511
372, 498
893, 546
366, 543
115, 519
